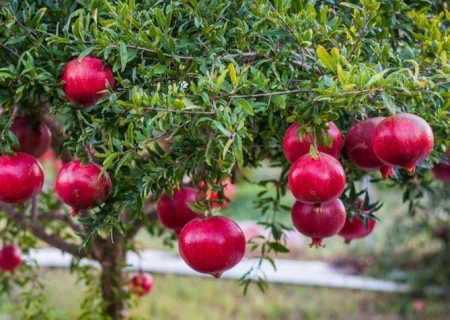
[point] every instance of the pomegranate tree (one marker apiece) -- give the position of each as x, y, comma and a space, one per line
358, 146
86, 80
82, 186
141, 284
442, 170
10, 258
174, 212
295, 146
21, 177
34, 136
316, 179
318, 225
212, 245
403, 140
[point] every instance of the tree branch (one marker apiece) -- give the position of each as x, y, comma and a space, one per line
23, 222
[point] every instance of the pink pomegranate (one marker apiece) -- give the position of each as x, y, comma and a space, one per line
355, 228
21, 178
212, 244
141, 284
316, 180
85, 80
34, 137
82, 186
10, 258
442, 170
294, 147
358, 146
318, 225
403, 140
174, 213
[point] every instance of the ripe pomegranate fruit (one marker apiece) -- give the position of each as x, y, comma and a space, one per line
294, 147
318, 225
358, 146
141, 284
212, 244
10, 258
82, 186
355, 228
21, 178
84, 80
174, 213
316, 180
442, 170
34, 137
403, 140
228, 191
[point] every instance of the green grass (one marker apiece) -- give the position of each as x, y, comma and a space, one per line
187, 298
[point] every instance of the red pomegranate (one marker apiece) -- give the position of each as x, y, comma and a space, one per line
174, 213
85, 80
228, 191
403, 140
10, 258
212, 244
442, 170
316, 180
82, 186
355, 228
318, 225
21, 178
34, 137
294, 147
358, 146
141, 284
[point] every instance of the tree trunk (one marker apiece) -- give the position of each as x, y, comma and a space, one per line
112, 277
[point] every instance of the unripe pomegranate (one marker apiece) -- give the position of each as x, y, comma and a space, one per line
294, 147
174, 213
82, 186
318, 225
10, 258
212, 245
403, 140
21, 178
442, 170
34, 138
358, 146
316, 180
355, 228
85, 80
141, 284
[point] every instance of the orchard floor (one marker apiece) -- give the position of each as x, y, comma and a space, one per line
187, 298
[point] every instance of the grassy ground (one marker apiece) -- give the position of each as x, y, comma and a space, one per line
186, 298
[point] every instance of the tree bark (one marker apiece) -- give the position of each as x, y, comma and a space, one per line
112, 277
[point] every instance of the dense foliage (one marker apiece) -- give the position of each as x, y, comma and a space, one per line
219, 82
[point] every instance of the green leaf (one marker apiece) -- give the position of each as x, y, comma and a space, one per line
325, 58
279, 101
278, 247
123, 55
389, 103
376, 77
244, 105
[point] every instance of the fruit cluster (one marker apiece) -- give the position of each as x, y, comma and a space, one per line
317, 178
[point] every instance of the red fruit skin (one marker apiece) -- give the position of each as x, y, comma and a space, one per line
358, 146
316, 180
141, 284
442, 170
174, 213
318, 225
21, 178
294, 147
354, 228
84, 80
403, 140
10, 258
34, 140
212, 245
82, 186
